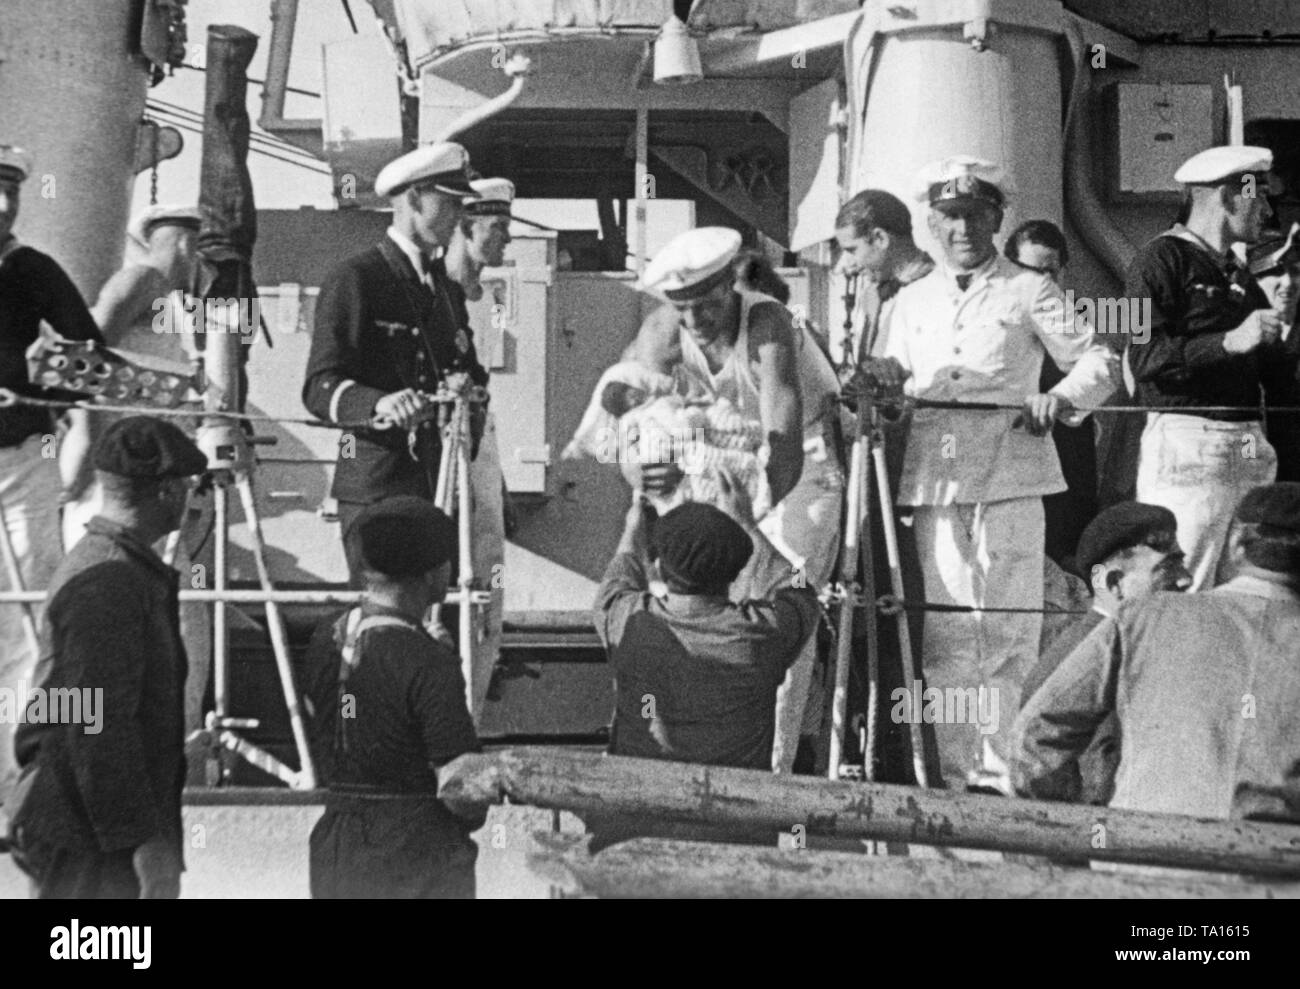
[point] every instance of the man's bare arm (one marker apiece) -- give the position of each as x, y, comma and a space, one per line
126, 298
131, 295
780, 400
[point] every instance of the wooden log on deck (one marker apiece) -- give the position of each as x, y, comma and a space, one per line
653, 868
593, 785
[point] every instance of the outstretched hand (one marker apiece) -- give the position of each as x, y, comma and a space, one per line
660, 479
733, 498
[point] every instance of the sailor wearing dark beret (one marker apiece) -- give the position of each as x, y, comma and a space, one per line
700, 550
387, 709
1204, 686
387, 333
404, 537
97, 812
1129, 551
696, 673
1122, 529
145, 448
1267, 531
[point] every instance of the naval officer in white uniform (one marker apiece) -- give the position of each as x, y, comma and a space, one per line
976, 329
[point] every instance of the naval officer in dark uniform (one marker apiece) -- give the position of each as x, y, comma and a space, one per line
387, 707
386, 333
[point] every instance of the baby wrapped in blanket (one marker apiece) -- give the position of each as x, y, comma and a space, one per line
638, 416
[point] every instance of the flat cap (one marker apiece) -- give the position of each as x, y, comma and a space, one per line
700, 546
1274, 251
1274, 505
1217, 166
692, 263
492, 197
443, 164
156, 216
15, 163
1121, 527
404, 536
959, 180
145, 447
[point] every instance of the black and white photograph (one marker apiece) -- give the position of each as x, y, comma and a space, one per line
710, 449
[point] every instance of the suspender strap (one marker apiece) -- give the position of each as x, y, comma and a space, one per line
353, 626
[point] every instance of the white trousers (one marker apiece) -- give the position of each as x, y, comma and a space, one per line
1199, 469
805, 529
987, 555
29, 495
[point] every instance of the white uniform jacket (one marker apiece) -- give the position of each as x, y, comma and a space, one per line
987, 345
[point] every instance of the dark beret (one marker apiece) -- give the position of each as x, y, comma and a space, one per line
1120, 527
404, 536
699, 546
1274, 505
145, 447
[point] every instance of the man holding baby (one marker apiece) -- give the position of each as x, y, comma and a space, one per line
723, 343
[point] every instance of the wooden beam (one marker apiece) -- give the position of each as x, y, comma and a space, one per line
653, 868
591, 784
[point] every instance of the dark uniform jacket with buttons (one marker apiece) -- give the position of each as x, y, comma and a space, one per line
378, 330
110, 633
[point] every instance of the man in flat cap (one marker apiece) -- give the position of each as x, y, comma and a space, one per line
97, 809
1127, 553
726, 342
1205, 687
696, 673
480, 241
386, 334
387, 709
976, 329
1213, 355
33, 288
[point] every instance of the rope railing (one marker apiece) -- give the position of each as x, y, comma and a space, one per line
889, 604
909, 401
10, 399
